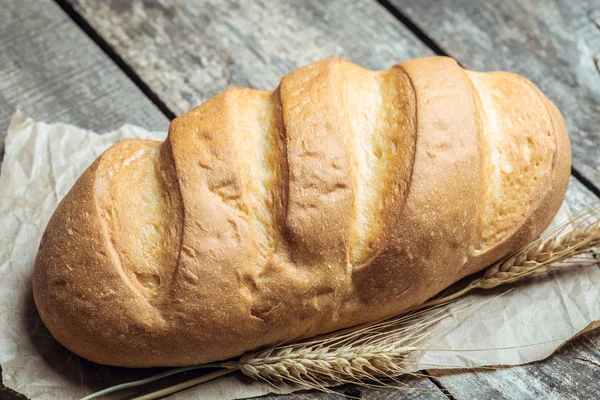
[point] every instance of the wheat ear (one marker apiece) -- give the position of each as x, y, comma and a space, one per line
383, 349
377, 350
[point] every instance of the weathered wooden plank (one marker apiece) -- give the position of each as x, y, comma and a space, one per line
9, 394
189, 51
572, 373
411, 389
556, 44
51, 70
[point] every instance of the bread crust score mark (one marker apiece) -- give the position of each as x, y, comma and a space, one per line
341, 197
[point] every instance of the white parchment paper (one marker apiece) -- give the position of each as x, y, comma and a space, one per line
41, 163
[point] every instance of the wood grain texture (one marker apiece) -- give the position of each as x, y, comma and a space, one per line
409, 388
572, 373
189, 51
52, 71
9, 394
554, 43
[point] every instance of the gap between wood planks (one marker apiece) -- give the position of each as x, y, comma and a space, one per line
81, 22
112, 54
439, 385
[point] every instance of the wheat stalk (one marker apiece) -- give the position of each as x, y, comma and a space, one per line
377, 350
384, 348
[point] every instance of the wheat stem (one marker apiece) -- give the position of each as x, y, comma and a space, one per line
184, 385
145, 381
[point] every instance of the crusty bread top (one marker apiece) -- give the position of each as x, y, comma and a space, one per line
342, 197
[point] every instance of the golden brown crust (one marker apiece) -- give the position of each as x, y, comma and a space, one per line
343, 196
434, 231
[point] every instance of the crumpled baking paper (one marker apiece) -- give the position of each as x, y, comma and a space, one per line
41, 163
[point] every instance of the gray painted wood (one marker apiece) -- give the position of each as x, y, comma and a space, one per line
572, 373
554, 43
9, 394
189, 51
410, 389
51, 70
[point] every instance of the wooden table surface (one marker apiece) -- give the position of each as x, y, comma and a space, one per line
99, 64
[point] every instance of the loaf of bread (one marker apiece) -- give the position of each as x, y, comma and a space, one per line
342, 197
